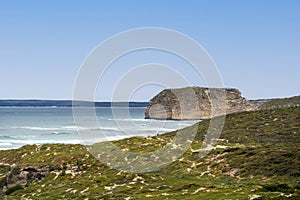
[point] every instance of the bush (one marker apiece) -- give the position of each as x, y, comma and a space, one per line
13, 189
282, 187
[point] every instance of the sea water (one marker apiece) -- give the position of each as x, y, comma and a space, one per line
39, 125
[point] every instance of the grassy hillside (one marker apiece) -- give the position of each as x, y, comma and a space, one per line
281, 103
257, 157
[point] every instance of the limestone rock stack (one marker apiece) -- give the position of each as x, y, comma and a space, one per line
196, 103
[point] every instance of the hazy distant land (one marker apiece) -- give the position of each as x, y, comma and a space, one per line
67, 103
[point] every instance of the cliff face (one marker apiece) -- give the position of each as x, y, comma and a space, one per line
196, 103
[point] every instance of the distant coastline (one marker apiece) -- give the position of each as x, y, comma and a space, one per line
67, 103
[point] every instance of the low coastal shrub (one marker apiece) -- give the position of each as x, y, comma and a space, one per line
13, 189
280, 187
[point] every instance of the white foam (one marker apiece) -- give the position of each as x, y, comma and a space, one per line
109, 128
5, 144
129, 119
38, 128
60, 128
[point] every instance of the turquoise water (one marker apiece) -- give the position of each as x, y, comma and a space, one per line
38, 125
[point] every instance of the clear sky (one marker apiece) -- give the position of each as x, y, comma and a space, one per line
255, 44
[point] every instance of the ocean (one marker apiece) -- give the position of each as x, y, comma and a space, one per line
20, 126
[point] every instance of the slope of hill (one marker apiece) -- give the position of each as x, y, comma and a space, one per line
257, 157
281, 103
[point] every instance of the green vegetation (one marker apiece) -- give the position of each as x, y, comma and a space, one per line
281, 103
256, 157
13, 189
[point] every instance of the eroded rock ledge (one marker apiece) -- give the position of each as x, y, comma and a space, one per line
193, 103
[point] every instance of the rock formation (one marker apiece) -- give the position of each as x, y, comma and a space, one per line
22, 176
196, 103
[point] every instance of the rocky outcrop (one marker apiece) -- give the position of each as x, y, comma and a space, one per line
22, 176
196, 103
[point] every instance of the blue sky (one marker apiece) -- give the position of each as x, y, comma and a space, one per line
255, 44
